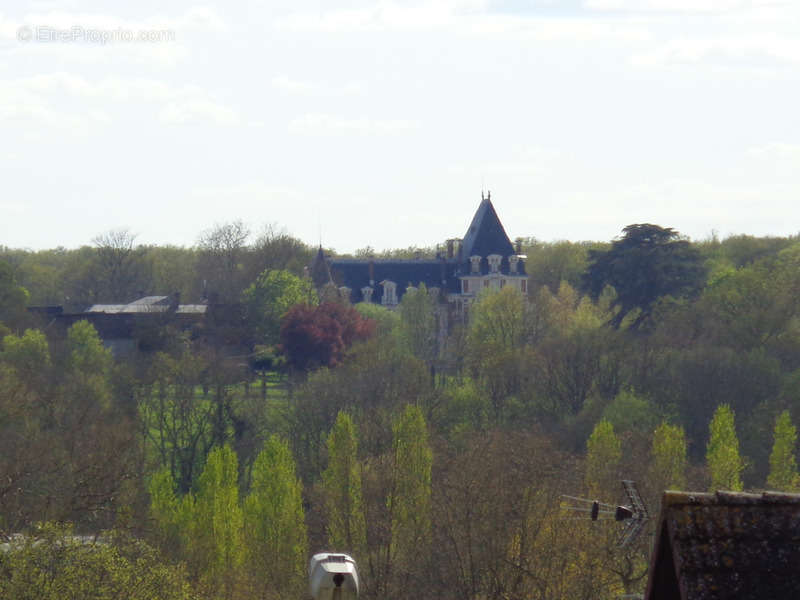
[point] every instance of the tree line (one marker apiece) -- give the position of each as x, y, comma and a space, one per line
439, 463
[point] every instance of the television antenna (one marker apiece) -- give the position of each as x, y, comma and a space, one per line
635, 512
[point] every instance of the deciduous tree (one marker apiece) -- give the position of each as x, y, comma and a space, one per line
668, 457
270, 297
341, 482
603, 454
782, 461
315, 336
419, 323
275, 541
722, 453
409, 500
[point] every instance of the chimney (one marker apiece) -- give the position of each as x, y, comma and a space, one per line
518, 245
371, 272
450, 246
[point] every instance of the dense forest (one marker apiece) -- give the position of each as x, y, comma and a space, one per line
214, 461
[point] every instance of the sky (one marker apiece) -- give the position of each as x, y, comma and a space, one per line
356, 123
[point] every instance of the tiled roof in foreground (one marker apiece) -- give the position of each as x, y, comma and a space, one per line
727, 545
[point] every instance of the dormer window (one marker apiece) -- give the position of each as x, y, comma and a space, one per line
513, 262
344, 292
366, 292
475, 262
389, 292
494, 263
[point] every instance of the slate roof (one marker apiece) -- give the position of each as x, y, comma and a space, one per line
727, 545
355, 274
486, 234
148, 304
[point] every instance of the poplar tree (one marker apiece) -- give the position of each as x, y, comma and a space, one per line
782, 462
722, 453
409, 500
341, 482
603, 454
276, 542
214, 532
165, 509
668, 467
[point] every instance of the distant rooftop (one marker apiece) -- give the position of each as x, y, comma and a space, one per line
147, 304
727, 545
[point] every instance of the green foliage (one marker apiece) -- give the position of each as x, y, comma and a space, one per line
499, 326
88, 365
409, 501
647, 263
13, 297
388, 321
275, 539
550, 264
341, 483
214, 530
497, 322
270, 297
603, 454
668, 457
53, 564
722, 453
782, 461
28, 354
176, 417
419, 323
86, 351
465, 409
630, 412
165, 509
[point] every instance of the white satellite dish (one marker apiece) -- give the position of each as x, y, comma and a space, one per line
333, 576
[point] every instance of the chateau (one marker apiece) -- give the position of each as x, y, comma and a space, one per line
483, 258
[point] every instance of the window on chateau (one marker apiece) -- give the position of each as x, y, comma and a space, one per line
502, 283
513, 260
465, 286
485, 283
475, 262
524, 286
389, 292
366, 292
494, 262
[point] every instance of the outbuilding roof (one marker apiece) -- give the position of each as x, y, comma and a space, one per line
726, 545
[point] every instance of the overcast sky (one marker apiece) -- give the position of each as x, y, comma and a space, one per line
378, 123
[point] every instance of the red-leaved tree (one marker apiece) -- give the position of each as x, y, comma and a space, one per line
319, 336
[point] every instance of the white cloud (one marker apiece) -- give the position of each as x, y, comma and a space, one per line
529, 162
308, 88
196, 18
35, 99
678, 6
187, 111
459, 18
773, 151
752, 51
317, 123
